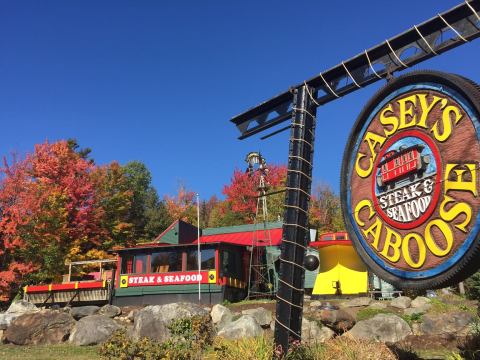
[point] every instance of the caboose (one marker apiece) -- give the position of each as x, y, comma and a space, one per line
400, 164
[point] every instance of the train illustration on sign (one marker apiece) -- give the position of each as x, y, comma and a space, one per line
399, 164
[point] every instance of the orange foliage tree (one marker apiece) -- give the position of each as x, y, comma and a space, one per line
47, 206
182, 206
325, 213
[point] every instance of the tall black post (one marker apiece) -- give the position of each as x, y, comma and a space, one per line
288, 322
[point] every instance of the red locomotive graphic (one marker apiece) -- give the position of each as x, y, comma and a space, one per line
400, 164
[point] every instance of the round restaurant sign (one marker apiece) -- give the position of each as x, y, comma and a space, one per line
410, 184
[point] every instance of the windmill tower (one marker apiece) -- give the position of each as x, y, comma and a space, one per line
260, 276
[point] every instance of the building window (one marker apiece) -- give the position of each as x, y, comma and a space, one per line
140, 264
208, 259
127, 264
232, 264
134, 264
166, 261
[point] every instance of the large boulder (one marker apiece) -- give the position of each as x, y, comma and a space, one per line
220, 315
82, 311
382, 327
312, 333
131, 314
377, 305
181, 310
360, 301
401, 302
315, 303
152, 321
420, 301
261, 315
245, 326
328, 317
149, 322
6, 320
22, 307
92, 330
339, 320
110, 310
45, 327
457, 323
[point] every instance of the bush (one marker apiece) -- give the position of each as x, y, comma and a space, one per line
414, 318
259, 348
340, 348
472, 286
189, 338
119, 346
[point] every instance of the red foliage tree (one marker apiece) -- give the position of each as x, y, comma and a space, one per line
242, 192
47, 207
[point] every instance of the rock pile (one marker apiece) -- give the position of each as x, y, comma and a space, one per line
387, 321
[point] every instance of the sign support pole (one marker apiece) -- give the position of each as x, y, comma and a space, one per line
289, 308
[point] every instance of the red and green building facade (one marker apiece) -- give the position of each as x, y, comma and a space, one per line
166, 270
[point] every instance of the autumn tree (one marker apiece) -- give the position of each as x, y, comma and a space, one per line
223, 215
148, 214
132, 211
47, 207
156, 214
57, 205
325, 213
113, 199
242, 194
206, 209
182, 206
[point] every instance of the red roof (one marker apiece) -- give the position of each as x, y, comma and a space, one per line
244, 238
323, 243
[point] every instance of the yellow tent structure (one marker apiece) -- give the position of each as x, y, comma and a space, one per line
341, 270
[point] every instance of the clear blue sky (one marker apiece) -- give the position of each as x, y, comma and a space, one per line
158, 81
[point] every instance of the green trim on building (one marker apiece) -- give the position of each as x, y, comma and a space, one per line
167, 289
240, 228
171, 236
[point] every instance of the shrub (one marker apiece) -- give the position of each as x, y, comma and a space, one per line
414, 318
349, 348
189, 338
438, 306
340, 348
259, 348
119, 346
472, 286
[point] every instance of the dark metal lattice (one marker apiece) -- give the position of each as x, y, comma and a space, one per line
433, 37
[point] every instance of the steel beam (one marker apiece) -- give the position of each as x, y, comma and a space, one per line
295, 222
433, 37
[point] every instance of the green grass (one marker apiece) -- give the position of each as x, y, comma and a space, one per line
248, 302
367, 313
414, 318
48, 352
440, 307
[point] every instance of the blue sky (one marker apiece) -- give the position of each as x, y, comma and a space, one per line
158, 81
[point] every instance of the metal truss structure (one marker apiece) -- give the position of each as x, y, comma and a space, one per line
433, 37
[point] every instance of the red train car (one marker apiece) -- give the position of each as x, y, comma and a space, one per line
402, 163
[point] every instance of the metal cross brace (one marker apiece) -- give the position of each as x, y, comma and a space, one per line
421, 42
